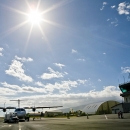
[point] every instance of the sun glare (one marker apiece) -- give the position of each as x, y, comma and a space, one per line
34, 17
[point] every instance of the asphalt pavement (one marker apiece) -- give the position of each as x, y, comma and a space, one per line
75, 123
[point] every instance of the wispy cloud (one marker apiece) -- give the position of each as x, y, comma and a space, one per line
75, 99
23, 89
123, 8
113, 6
39, 84
1, 49
74, 51
103, 5
99, 80
62, 86
125, 69
81, 59
128, 18
14, 87
17, 71
113, 22
30, 89
59, 65
23, 59
52, 74
108, 19
104, 53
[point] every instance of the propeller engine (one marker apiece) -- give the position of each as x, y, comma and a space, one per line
33, 109
4, 109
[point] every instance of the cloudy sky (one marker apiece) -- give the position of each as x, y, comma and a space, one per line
67, 52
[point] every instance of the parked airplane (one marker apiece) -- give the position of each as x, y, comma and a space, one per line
21, 112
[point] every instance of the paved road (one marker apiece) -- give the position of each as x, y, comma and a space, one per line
79, 123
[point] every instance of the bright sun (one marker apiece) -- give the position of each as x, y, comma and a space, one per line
34, 17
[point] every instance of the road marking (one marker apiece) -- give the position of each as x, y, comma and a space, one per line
106, 117
3, 125
19, 126
6, 125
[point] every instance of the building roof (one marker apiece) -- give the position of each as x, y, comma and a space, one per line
91, 108
116, 105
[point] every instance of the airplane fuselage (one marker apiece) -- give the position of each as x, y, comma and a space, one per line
21, 113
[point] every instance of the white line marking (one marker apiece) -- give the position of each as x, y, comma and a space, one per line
106, 117
19, 126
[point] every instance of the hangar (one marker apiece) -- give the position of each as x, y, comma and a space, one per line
94, 108
100, 107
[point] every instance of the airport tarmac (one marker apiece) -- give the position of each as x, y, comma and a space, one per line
74, 123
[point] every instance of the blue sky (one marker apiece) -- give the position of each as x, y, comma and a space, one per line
77, 53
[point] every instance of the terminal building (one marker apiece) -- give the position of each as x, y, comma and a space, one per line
125, 105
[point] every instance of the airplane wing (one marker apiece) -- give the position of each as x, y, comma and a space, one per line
42, 107
50, 107
10, 107
7, 107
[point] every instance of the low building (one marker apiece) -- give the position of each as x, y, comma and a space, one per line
53, 113
123, 107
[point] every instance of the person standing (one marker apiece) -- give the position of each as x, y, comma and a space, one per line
119, 115
87, 116
28, 116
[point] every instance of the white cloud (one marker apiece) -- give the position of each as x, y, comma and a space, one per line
39, 84
14, 87
59, 65
1, 49
30, 89
23, 59
104, 53
108, 19
99, 80
7, 91
82, 81
1, 54
103, 5
23, 89
74, 51
123, 8
81, 59
62, 86
75, 99
125, 69
65, 86
113, 6
16, 70
52, 74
